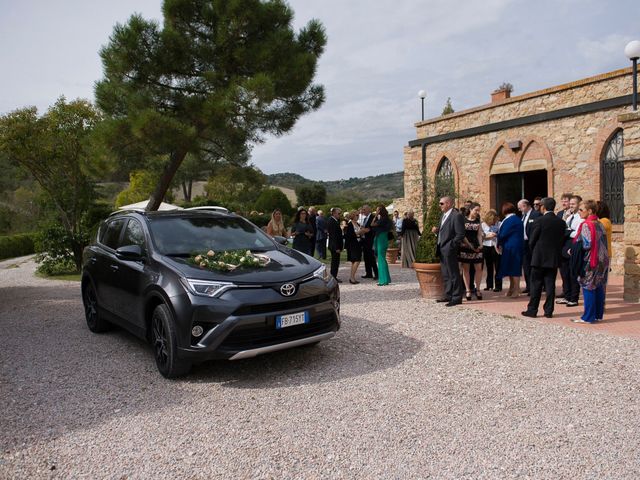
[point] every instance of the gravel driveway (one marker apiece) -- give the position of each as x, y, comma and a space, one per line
407, 389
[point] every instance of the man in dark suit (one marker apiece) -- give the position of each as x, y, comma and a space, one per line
321, 235
528, 217
336, 241
545, 241
450, 235
314, 228
370, 265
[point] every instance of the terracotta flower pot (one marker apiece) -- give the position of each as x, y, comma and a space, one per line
392, 255
430, 279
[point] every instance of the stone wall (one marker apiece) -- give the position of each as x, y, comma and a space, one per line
599, 87
631, 244
569, 149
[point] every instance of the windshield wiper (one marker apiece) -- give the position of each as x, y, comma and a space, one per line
180, 255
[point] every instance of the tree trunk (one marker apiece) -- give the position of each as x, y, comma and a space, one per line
77, 248
186, 189
185, 194
175, 160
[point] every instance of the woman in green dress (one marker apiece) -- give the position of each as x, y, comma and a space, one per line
381, 225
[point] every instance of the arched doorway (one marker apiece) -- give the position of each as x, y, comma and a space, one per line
518, 172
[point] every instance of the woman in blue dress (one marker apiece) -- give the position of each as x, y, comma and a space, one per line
511, 243
301, 232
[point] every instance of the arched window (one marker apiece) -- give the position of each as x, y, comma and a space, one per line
445, 184
613, 178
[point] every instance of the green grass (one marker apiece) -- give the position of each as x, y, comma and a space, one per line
327, 261
74, 277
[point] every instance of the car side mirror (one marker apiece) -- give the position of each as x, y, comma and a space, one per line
130, 252
281, 240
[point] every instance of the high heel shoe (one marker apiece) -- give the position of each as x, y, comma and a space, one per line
478, 295
468, 296
353, 282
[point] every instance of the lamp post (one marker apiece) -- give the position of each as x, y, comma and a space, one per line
632, 51
422, 94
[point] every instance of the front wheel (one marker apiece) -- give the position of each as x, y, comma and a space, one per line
165, 347
95, 322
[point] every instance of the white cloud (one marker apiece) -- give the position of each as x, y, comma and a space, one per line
379, 54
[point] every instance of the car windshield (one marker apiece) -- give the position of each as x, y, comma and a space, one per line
181, 236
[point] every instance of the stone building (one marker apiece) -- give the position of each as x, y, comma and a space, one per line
567, 138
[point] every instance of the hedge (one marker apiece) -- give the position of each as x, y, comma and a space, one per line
16, 245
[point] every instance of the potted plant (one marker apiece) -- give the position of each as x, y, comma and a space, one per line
392, 250
427, 264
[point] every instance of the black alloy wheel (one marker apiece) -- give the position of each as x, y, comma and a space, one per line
165, 346
91, 312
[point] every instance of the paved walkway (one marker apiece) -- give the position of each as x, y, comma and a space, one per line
620, 318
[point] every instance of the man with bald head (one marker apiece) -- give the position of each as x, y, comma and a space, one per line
450, 235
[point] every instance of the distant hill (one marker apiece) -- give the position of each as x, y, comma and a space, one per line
382, 187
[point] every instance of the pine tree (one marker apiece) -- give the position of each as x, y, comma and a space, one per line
447, 107
213, 79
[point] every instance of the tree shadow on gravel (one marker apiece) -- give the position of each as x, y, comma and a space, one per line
360, 347
56, 376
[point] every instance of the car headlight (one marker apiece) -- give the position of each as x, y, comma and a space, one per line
206, 288
322, 273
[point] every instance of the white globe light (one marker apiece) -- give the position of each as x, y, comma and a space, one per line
422, 94
632, 50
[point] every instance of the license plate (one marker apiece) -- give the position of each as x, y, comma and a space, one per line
283, 321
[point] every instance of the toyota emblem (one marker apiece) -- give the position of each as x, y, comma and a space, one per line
288, 289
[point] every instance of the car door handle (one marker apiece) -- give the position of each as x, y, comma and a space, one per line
114, 267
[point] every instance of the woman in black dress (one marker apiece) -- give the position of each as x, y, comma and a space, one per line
471, 250
301, 232
352, 245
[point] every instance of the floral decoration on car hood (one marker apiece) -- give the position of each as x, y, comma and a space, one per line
229, 260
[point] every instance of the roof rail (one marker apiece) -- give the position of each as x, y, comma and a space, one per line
213, 208
128, 210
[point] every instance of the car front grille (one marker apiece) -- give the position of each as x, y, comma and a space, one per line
280, 306
252, 336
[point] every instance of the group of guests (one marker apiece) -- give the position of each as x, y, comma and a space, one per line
535, 244
363, 234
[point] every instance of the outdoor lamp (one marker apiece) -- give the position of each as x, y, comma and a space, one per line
632, 51
422, 94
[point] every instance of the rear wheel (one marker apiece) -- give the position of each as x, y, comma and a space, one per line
165, 346
91, 311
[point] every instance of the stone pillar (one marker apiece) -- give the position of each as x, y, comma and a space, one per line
631, 124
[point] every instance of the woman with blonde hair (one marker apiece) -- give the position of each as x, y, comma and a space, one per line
352, 244
490, 227
604, 215
276, 227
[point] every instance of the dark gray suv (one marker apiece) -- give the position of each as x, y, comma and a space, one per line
138, 274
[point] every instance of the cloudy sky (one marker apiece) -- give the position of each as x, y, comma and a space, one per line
379, 54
